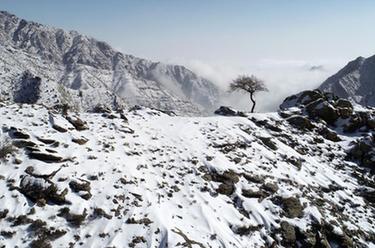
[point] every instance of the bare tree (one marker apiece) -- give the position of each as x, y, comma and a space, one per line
249, 84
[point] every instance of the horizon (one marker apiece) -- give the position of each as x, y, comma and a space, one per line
278, 41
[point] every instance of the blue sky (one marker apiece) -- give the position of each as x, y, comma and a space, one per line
276, 39
216, 30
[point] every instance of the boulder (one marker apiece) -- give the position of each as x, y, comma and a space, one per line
343, 103
329, 135
288, 233
300, 122
227, 111
292, 207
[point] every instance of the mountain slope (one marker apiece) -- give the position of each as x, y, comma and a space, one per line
145, 179
356, 81
91, 72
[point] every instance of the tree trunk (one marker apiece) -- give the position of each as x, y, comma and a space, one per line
253, 101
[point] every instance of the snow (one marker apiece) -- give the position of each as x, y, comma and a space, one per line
160, 163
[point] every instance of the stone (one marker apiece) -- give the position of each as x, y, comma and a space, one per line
80, 141
225, 189
343, 103
292, 207
45, 157
300, 122
288, 233
227, 111
78, 123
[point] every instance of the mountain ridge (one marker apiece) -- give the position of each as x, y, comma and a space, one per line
82, 63
355, 81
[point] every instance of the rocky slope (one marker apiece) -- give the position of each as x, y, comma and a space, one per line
356, 81
83, 72
140, 178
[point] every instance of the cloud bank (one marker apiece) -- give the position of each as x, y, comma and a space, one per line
282, 77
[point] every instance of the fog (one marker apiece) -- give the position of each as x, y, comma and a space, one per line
282, 77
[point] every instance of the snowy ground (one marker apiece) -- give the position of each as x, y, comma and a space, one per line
162, 181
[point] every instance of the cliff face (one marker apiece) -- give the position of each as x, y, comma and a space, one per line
91, 72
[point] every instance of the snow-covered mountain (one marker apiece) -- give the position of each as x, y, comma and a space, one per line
81, 71
140, 178
356, 81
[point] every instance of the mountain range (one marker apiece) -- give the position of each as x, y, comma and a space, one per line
71, 68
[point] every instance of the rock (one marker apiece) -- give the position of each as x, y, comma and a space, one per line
3, 213
225, 189
343, 103
356, 121
20, 143
345, 113
18, 134
300, 122
99, 213
45, 157
59, 128
297, 162
309, 96
101, 108
366, 193
254, 194
82, 186
292, 207
371, 123
227, 111
271, 187
288, 233
329, 135
78, 124
363, 151
323, 110
80, 141
74, 219
268, 142
37, 188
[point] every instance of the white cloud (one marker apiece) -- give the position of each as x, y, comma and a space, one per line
282, 77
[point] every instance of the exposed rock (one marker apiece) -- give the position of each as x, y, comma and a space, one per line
45, 157
80, 141
74, 219
271, 187
78, 124
292, 207
329, 135
227, 111
59, 128
20, 143
225, 189
79, 186
3, 213
101, 108
288, 233
268, 142
300, 122
37, 189
343, 103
